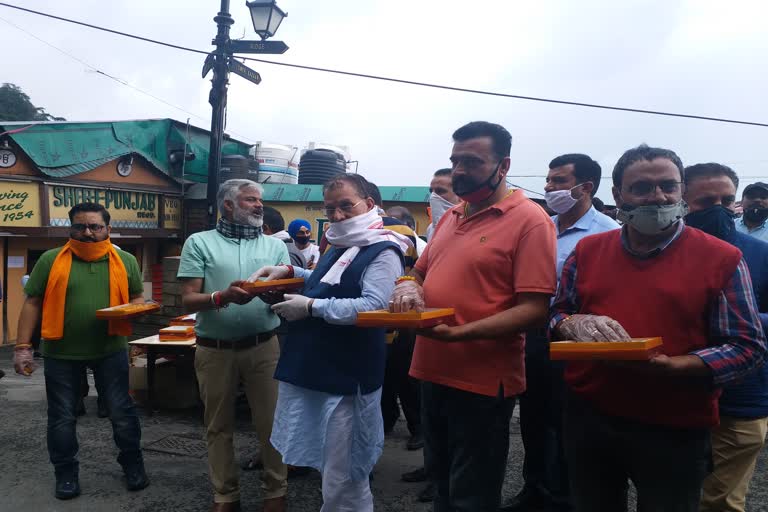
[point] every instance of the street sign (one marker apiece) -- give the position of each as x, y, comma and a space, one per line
240, 46
208, 64
244, 71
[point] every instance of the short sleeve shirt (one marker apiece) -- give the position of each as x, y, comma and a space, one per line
478, 265
219, 261
85, 337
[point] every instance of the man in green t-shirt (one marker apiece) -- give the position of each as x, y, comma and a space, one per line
66, 287
236, 340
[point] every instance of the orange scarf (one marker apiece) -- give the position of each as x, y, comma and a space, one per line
56, 290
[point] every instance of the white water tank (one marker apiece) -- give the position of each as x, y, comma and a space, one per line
278, 163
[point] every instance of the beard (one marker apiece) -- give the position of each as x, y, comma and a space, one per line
245, 218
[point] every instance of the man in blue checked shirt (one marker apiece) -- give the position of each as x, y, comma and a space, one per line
649, 421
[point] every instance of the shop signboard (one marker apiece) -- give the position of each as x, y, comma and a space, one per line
171, 212
127, 208
19, 204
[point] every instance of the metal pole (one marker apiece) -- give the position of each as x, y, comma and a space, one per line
218, 101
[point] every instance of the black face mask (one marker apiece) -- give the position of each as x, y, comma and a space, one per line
756, 215
301, 239
715, 220
473, 191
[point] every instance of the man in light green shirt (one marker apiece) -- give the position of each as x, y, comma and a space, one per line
236, 339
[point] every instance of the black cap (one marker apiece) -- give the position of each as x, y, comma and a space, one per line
759, 185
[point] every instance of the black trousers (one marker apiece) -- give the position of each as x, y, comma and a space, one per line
541, 422
398, 384
466, 442
667, 465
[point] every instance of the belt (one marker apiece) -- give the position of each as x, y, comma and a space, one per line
236, 344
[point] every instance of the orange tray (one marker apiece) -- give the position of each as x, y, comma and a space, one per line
430, 317
126, 311
177, 333
184, 320
283, 285
639, 349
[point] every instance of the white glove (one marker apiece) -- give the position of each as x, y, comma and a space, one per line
592, 328
271, 273
24, 361
294, 308
407, 295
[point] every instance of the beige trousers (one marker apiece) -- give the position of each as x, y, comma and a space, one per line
219, 371
736, 443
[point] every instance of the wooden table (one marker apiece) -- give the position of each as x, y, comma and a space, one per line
154, 347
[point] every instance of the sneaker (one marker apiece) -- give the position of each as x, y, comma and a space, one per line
136, 478
416, 442
427, 494
417, 475
67, 488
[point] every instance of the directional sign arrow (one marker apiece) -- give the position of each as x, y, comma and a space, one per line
208, 64
244, 71
240, 46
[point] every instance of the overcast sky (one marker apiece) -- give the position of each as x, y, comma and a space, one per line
695, 56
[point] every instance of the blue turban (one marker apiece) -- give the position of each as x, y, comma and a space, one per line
296, 225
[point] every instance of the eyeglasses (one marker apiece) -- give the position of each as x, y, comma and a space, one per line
646, 188
345, 208
94, 228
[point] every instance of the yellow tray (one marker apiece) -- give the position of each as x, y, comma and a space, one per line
430, 317
184, 320
177, 333
639, 349
126, 311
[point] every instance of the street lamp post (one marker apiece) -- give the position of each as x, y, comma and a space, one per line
266, 16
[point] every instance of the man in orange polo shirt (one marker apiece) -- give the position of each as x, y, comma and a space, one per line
492, 258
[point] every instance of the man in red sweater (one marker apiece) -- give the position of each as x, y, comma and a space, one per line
649, 422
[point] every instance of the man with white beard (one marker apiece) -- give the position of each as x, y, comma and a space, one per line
235, 344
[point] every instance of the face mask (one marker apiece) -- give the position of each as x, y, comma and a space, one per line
652, 219
438, 206
301, 239
756, 215
472, 192
716, 221
561, 201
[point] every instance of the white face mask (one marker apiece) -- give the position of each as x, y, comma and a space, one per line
561, 201
438, 206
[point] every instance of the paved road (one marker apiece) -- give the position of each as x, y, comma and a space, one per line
180, 482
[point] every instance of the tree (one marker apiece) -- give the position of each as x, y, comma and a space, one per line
15, 105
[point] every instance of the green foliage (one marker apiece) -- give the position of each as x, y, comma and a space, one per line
15, 105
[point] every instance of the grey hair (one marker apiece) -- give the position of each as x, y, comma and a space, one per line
230, 188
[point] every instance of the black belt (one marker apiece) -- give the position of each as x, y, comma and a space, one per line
236, 344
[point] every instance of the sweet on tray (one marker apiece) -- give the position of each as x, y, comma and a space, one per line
430, 317
177, 333
639, 349
126, 311
282, 285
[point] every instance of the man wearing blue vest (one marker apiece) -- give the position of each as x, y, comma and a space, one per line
710, 191
328, 415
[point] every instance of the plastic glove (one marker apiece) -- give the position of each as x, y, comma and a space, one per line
294, 308
271, 273
24, 361
592, 328
408, 295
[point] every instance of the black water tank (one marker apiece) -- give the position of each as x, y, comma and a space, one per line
319, 165
238, 167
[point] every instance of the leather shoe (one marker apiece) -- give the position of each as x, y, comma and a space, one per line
136, 478
67, 488
231, 506
427, 495
417, 475
274, 504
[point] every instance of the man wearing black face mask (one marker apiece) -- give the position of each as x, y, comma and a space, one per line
649, 421
736, 442
754, 201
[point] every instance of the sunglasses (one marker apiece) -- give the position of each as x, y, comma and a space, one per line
94, 228
646, 188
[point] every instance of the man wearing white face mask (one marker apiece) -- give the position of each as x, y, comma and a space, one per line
649, 421
572, 182
328, 415
441, 198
